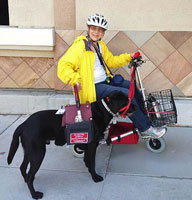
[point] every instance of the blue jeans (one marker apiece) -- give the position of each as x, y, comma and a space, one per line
140, 120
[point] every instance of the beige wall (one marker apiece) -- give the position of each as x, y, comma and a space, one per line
168, 52
31, 13
64, 14
171, 15
162, 15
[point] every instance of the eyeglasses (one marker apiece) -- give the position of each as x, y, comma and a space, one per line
98, 29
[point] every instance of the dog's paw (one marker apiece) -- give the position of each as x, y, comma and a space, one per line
37, 195
97, 178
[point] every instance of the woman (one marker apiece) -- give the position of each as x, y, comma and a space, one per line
82, 65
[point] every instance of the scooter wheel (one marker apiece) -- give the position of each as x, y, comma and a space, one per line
156, 145
77, 152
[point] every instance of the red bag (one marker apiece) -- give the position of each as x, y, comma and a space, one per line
71, 113
79, 129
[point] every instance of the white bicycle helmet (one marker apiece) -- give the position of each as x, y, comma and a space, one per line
97, 20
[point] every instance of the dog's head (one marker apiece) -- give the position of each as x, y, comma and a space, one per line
116, 100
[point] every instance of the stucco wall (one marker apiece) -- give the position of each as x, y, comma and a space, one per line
163, 15
133, 26
31, 13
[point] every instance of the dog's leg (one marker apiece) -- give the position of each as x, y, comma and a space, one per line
23, 167
89, 159
35, 163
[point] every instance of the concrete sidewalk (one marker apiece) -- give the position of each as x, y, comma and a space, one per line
131, 172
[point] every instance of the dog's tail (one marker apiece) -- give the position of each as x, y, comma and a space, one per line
15, 143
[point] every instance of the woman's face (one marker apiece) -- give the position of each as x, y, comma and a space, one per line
96, 33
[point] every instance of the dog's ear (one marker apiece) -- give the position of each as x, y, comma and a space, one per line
115, 94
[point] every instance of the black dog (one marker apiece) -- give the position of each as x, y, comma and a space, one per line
45, 125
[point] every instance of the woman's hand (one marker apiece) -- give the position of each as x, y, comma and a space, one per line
132, 55
136, 55
78, 86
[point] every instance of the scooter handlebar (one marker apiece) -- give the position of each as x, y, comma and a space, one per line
136, 62
136, 55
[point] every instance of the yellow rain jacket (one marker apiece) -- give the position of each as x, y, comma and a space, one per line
77, 65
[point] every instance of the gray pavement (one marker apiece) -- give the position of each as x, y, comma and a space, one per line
131, 172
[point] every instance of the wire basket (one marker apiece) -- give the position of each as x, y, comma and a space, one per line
161, 108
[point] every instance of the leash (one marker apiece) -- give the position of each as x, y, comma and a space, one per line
131, 88
130, 95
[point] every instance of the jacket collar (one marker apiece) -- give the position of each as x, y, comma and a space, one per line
87, 45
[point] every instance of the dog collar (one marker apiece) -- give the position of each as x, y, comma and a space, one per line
107, 108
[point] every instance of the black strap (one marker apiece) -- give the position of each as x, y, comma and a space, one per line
101, 59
